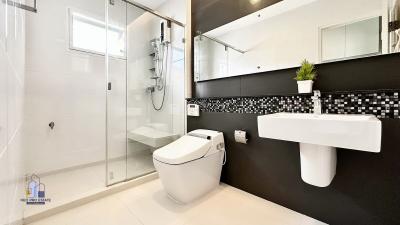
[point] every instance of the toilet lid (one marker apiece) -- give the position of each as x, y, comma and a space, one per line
185, 149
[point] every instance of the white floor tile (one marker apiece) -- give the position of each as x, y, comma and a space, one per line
235, 207
148, 204
73, 184
151, 205
107, 211
69, 185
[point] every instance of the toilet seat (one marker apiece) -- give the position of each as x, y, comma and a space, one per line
191, 166
183, 150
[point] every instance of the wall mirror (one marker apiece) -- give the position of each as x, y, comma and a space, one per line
282, 35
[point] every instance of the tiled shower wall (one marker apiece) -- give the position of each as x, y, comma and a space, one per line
12, 63
67, 87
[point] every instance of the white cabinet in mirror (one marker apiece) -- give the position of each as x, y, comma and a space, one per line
284, 34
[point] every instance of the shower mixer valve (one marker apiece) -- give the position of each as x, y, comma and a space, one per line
151, 89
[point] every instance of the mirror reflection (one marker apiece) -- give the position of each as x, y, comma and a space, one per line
282, 35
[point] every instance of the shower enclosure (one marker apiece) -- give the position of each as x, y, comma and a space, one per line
145, 89
104, 88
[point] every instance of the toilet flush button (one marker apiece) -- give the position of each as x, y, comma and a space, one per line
193, 110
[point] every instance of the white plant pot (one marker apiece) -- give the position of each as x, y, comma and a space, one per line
305, 86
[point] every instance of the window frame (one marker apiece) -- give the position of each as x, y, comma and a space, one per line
96, 21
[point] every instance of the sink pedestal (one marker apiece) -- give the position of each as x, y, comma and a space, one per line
318, 164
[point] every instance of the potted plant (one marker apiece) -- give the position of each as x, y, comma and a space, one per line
305, 77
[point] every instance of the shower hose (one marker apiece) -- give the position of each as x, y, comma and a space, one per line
163, 79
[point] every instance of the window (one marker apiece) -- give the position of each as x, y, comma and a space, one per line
361, 38
89, 34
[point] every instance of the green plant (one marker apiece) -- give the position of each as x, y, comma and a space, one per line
306, 71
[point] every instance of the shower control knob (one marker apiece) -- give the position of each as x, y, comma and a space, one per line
51, 125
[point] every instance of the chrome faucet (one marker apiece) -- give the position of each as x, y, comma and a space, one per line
317, 102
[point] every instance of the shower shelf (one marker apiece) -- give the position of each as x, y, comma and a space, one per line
151, 136
154, 78
152, 69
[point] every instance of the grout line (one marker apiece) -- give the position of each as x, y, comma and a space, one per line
16, 131
3, 151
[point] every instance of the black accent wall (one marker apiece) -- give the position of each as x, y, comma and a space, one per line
366, 188
373, 73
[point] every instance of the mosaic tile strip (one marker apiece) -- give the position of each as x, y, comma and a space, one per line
382, 104
257, 105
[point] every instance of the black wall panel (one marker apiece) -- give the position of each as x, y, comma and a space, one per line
221, 88
373, 73
365, 190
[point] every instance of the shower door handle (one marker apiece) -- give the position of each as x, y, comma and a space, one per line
109, 86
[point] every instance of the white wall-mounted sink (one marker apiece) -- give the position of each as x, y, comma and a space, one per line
319, 136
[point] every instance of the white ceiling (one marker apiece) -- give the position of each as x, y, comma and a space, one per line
153, 4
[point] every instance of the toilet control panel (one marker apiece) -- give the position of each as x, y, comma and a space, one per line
193, 110
221, 146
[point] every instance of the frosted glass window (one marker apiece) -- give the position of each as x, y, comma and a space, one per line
333, 43
363, 38
89, 35
352, 40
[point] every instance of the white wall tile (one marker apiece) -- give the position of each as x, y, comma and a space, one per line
64, 86
4, 188
3, 99
12, 66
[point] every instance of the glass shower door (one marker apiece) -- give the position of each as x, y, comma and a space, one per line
116, 92
139, 69
155, 88
145, 103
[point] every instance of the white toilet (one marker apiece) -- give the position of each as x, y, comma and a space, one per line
191, 166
